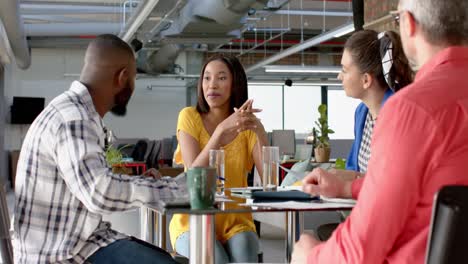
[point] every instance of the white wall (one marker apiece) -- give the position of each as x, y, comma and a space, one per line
151, 113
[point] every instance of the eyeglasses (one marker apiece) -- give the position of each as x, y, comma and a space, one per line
396, 15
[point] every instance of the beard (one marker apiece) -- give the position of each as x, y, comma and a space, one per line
121, 100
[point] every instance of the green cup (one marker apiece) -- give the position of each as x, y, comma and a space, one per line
201, 184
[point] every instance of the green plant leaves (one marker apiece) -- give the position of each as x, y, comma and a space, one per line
113, 155
340, 164
322, 125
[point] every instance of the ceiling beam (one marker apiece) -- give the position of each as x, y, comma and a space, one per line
304, 45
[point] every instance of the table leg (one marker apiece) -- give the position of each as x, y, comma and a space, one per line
147, 224
202, 239
161, 231
294, 228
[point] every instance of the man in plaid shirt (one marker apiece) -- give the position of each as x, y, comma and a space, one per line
63, 183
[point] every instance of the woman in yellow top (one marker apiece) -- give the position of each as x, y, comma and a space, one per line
222, 119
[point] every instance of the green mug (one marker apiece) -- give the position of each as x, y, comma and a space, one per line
201, 184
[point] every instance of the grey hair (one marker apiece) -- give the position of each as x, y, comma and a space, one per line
443, 22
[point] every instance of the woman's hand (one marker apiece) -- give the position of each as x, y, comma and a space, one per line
242, 119
249, 112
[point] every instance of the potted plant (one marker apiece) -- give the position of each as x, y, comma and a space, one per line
114, 158
322, 148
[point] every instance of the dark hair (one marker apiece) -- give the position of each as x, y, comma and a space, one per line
364, 47
106, 41
239, 92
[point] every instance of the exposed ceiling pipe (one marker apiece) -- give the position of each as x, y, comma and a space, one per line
165, 20
61, 9
304, 45
54, 18
71, 29
138, 17
9, 15
5, 50
308, 13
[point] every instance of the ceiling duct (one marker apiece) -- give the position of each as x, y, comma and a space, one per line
160, 61
9, 15
205, 19
5, 50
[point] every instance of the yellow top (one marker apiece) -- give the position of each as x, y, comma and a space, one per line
238, 161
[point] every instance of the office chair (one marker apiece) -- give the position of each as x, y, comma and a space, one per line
285, 140
6, 247
448, 234
139, 150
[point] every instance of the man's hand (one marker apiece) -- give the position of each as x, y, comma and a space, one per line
153, 173
322, 182
348, 175
302, 248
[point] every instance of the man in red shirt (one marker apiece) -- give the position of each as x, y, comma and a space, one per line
420, 144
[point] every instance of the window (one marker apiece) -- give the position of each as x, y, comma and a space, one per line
268, 98
300, 107
341, 110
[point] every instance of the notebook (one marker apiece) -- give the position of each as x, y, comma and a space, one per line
281, 196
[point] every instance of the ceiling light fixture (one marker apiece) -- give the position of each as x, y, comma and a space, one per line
296, 83
302, 68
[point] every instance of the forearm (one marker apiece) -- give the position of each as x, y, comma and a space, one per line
103, 192
262, 138
202, 158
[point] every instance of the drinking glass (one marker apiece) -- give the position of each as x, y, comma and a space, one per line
217, 162
270, 168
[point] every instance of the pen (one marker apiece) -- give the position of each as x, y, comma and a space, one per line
221, 178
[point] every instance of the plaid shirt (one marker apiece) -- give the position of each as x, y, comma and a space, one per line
365, 148
64, 185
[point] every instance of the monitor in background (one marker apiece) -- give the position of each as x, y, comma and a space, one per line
25, 109
285, 140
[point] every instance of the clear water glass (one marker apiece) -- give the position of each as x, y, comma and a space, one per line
270, 168
216, 159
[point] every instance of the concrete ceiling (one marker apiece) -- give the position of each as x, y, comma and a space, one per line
267, 27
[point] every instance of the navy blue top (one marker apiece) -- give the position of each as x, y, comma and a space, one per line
359, 122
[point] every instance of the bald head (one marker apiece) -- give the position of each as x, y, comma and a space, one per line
105, 55
109, 73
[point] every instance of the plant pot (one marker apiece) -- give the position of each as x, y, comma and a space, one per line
322, 154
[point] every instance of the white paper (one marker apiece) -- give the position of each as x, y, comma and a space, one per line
222, 198
301, 205
338, 200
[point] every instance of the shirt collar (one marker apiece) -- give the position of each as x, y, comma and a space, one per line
442, 57
85, 98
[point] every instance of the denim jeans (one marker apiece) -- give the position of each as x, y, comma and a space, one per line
242, 247
130, 250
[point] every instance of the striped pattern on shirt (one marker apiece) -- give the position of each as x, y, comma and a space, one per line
64, 185
365, 147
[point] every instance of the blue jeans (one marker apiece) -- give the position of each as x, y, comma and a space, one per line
129, 251
242, 247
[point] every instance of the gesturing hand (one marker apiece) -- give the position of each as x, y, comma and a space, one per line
247, 111
242, 119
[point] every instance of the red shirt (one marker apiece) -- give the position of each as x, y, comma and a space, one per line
420, 144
